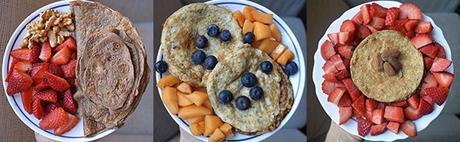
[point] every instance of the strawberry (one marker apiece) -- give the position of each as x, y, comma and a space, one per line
38, 71
329, 86
50, 107
69, 69
440, 64
345, 37
345, 51
410, 25
444, 78
74, 56
56, 118
55, 69
378, 129
371, 104
47, 95
329, 67
436, 95
358, 106
23, 54
358, 18
327, 50
372, 29
441, 52
351, 88
375, 10
428, 62
345, 101
56, 82
46, 52
70, 43
23, 66
377, 23
334, 37
73, 120
337, 61
421, 40
408, 127
42, 86
18, 81
335, 96
392, 16
412, 113
69, 104
424, 107
363, 32
35, 53
429, 50
377, 116
26, 97
345, 114
393, 127
413, 101
423, 27
402, 103
329, 77
365, 14
346, 62
410, 11
342, 74
348, 26
380, 105
393, 113
364, 126
62, 56
37, 108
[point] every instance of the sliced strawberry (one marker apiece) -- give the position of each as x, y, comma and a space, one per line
62, 56
348, 26
338, 63
346, 62
408, 127
46, 52
345, 37
365, 14
351, 88
342, 74
371, 104
412, 113
329, 77
69, 69
413, 101
56, 82
69, 104
26, 97
424, 107
329, 86
35, 53
358, 106
423, 27
393, 113
335, 96
327, 50
428, 62
436, 95
444, 78
42, 86
393, 127
345, 51
363, 32
441, 52
38, 71
377, 116
410, 11
402, 103
375, 10
392, 16
358, 18
18, 81
37, 108
73, 120
440, 64
381, 105
372, 29
377, 23
56, 118
70, 43
55, 69
364, 126
345, 114
329, 67
23, 66
334, 37
345, 101
410, 25
47, 95
430, 50
23, 54
421, 40
378, 129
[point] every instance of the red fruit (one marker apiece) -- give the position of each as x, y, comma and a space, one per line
358, 106
348, 26
345, 114
345, 101
69, 69
334, 37
37, 108
38, 71
381, 105
444, 78
329, 86
46, 52
392, 16
412, 113
69, 43
372, 29
42, 86
50, 107
393, 126
377, 23
56, 82
56, 118
74, 56
338, 63
35, 53
69, 104
410, 11
327, 50
408, 127
393, 113
47, 95
55, 69
365, 14
342, 74
402, 103
335, 96
363, 32
423, 27
440, 64
73, 120
23, 66
410, 25
413, 101
23, 54
345, 37
62, 56
329, 67
441, 52
378, 129
436, 95
424, 107
421, 40
358, 18
430, 50
375, 10
345, 51
26, 97
346, 62
377, 116
364, 126
329, 77
351, 88
18, 81
371, 104
428, 62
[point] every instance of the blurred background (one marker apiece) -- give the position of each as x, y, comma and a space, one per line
321, 13
293, 12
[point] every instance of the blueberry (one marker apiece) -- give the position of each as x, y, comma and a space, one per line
198, 57
256, 93
248, 79
266, 66
161, 66
290, 68
248, 37
225, 97
213, 30
201, 42
210, 62
225, 35
242, 103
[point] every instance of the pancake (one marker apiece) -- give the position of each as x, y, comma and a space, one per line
112, 72
378, 85
180, 32
265, 114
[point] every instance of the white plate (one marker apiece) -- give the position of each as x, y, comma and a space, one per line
297, 80
76, 134
333, 111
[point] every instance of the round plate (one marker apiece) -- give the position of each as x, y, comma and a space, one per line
77, 133
297, 80
333, 111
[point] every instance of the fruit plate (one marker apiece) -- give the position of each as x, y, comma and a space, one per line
297, 80
76, 134
333, 111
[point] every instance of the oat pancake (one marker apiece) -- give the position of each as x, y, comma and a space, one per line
181, 30
378, 85
265, 114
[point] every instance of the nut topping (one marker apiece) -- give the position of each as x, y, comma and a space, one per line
377, 62
388, 69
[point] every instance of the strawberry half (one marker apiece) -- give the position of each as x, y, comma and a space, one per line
73, 120
37, 108
444, 78
68, 102
56, 118
408, 127
436, 95
62, 56
410, 11
440, 64
378, 129
327, 50
393, 127
23, 66
26, 97
23, 54
345, 114
18, 81
46, 52
69, 69
393, 113
56, 82
47, 95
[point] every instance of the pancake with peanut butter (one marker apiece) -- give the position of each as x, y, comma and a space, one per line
265, 114
180, 32
375, 82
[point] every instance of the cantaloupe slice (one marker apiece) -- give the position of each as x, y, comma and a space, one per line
196, 129
170, 99
168, 80
285, 57
261, 31
275, 32
247, 13
239, 18
195, 119
262, 17
217, 136
185, 87
183, 101
193, 111
227, 130
197, 97
268, 45
278, 51
248, 26
211, 123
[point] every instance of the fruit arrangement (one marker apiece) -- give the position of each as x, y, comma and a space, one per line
372, 116
44, 77
192, 104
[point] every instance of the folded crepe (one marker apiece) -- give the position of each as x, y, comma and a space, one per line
112, 70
